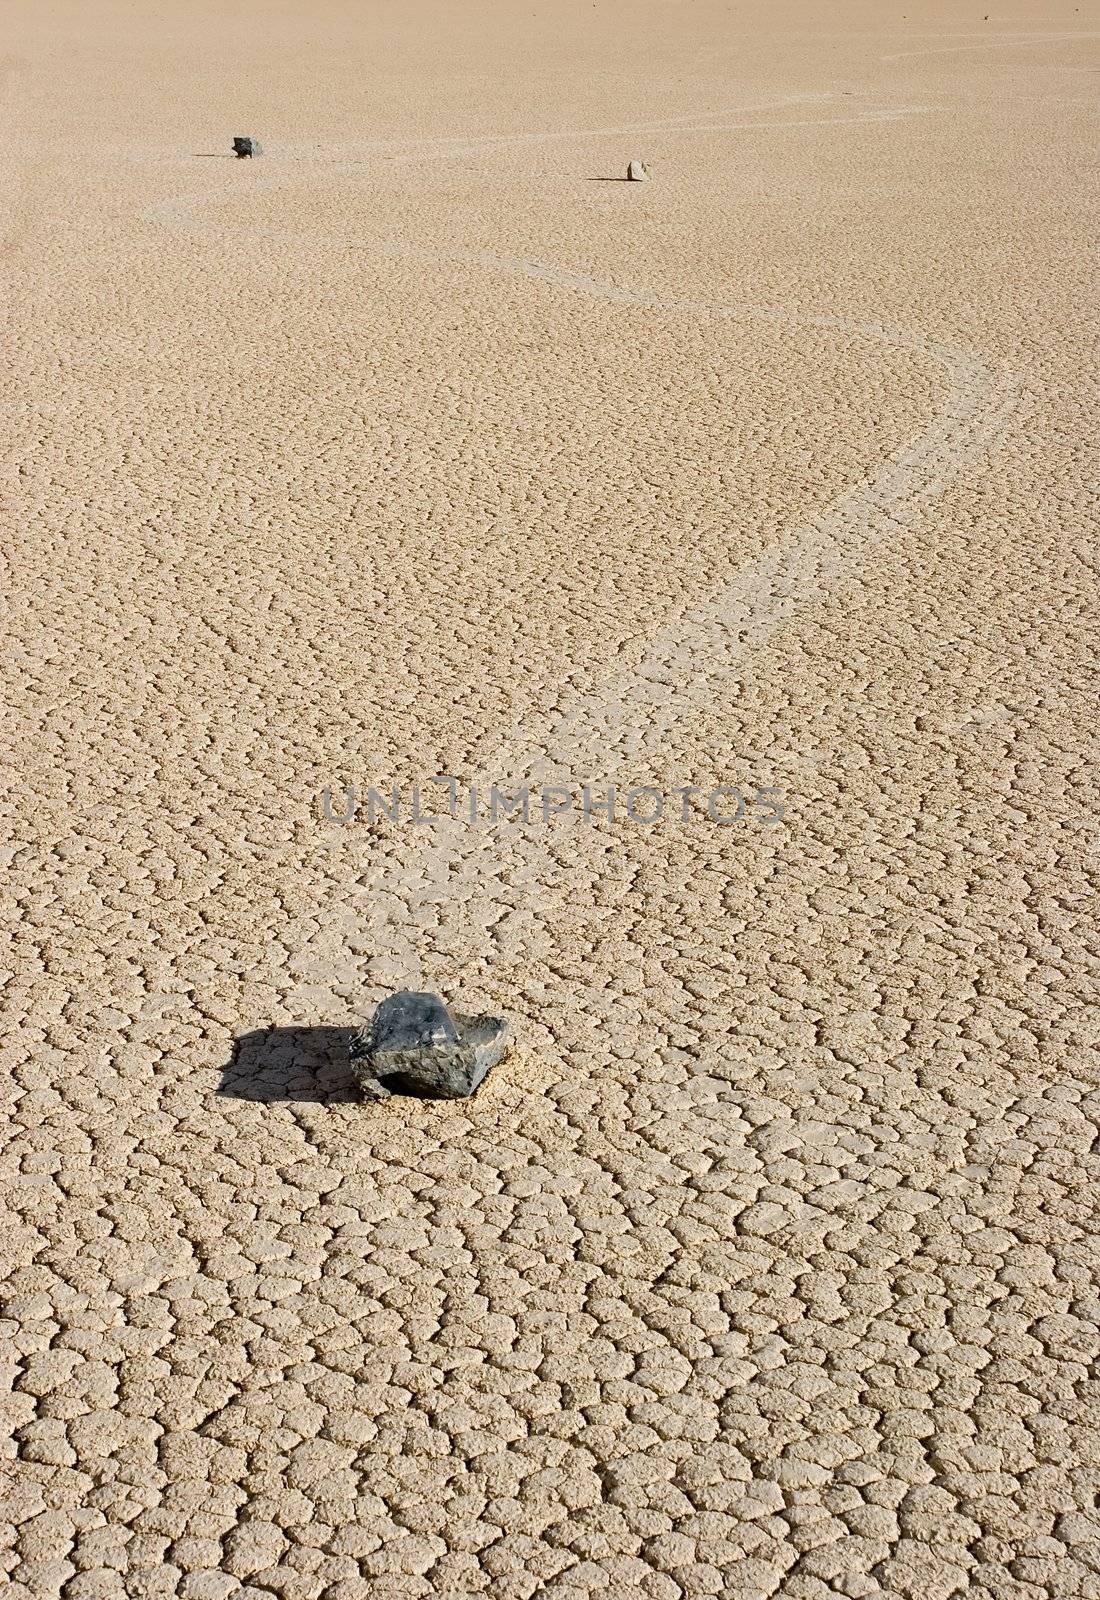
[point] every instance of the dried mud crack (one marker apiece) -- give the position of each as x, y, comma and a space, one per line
765, 1264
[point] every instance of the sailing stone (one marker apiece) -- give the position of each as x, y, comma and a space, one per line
412, 1045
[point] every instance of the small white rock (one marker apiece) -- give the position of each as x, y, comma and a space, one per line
637, 172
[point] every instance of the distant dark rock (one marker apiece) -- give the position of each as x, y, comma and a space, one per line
243, 146
412, 1045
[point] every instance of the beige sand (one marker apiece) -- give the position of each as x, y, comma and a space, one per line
764, 1265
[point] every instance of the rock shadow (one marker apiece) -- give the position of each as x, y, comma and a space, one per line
305, 1065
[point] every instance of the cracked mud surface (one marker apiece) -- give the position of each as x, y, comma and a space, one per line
766, 1264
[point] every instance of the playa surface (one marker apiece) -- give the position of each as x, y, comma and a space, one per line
424, 445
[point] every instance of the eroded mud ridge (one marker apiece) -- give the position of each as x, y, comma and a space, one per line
765, 1264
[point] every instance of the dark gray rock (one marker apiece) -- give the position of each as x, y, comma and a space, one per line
412, 1045
244, 146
